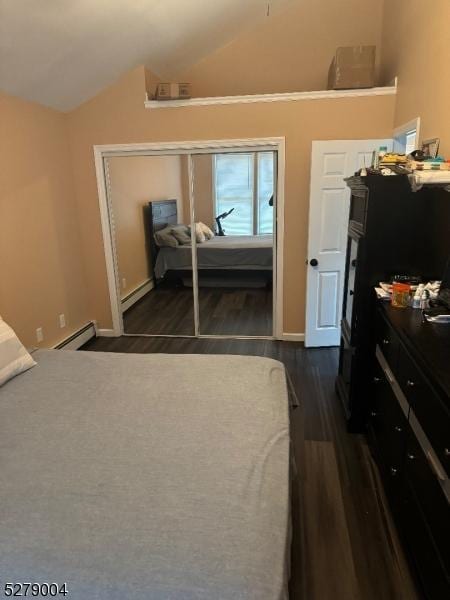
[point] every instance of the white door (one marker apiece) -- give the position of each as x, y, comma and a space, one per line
331, 162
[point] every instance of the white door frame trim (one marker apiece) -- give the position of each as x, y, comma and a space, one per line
101, 152
405, 128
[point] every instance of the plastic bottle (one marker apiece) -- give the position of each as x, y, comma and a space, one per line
417, 296
382, 151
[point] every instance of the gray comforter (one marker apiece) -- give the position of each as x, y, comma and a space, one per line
146, 476
233, 252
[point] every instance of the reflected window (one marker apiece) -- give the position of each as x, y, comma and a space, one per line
265, 192
245, 182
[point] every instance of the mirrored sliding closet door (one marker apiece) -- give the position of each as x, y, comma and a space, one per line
234, 210
149, 199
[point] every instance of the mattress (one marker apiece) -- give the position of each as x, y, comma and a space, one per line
146, 476
249, 252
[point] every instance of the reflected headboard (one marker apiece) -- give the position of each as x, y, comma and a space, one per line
158, 214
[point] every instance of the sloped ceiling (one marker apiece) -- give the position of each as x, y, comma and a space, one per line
62, 52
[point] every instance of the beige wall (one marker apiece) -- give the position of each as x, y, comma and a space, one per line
118, 116
202, 182
135, 181
51, 251
416, 47
290, 51
41, 264
203, 187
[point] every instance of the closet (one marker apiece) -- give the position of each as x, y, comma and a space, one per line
194, 237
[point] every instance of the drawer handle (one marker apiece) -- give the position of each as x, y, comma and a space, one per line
411, 456
446, 452
373, 414
435, 467
386, 342
394, 471
376, 379
410, 383
398, 428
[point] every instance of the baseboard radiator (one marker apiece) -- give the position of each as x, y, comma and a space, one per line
78, 338
137, 294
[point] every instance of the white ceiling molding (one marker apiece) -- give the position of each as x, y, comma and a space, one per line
63, 53
286, 97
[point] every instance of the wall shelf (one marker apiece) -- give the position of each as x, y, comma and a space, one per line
286, 97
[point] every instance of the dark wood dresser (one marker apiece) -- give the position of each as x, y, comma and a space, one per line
409, 431
391, 230
394, 369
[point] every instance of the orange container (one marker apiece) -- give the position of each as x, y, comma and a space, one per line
400, 294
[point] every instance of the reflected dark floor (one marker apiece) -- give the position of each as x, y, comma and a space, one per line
223, 311
163, 311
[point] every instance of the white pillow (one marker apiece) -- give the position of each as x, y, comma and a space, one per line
14, 358
207, 231
200, 237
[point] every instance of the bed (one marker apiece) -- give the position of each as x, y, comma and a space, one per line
146, 476
220, 255
228, 253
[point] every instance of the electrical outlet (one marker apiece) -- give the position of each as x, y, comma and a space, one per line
39, 334
124, 283
62, 320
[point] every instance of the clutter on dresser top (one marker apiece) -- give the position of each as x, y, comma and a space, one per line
404, 291
423, 167
433, 297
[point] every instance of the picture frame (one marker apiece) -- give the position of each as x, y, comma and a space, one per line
430, 147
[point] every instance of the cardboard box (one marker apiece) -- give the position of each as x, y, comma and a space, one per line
173, 91
352, 67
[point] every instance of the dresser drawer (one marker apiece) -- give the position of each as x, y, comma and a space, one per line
387, 425
388, 342
432, 414
422, 477
421, 547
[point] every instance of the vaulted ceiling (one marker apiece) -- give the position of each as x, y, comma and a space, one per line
63, 52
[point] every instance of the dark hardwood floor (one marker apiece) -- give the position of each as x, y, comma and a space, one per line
163, 311
345, 546
223, 311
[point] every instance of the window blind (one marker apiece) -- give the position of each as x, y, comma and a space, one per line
244, 181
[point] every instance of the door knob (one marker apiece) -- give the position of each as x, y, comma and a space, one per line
314, 262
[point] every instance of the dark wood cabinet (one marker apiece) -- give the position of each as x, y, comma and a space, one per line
409, 432
391, 230
394, 369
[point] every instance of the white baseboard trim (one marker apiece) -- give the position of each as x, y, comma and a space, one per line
106, 333
293, 337
137, 294
78, 338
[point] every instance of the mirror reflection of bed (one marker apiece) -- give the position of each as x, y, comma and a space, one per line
233, 228
232, 197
